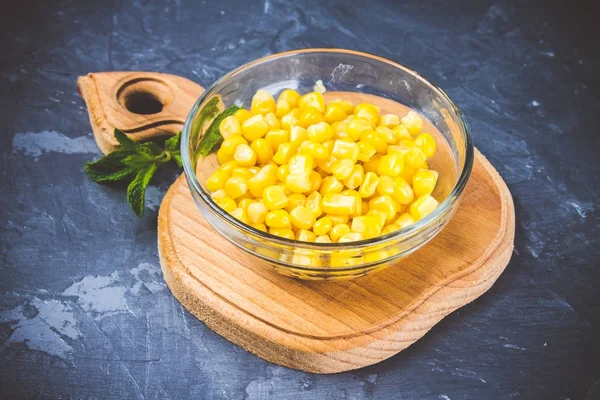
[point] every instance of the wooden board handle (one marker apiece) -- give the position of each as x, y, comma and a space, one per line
144, 105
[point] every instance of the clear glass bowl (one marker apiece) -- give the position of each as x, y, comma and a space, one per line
340, 70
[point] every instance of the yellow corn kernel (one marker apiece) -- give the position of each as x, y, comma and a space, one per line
263, 150
329, 144
390, 228
272, 120
218, 195
255, 127
330, 184
357, 126
262, 102
236, 187
323, 239
242, 115
223, 157
338, 219
347, 106
312, 99
345, 150
239, 214
423, 206
391, 165
337, 231
424, 182
260, 227
313, 204
216, 180
242, 173
284, 153
283, 232
275, 137
403, 192
405, 220
424, 166
379, 216
245, 202
309, 116
298, 135
274, 197
377, 256
298, 183
256, 213
367, 226
226, 203
339, 204
317, 150
407, 174
350, 237
304, 235
356, 177
376, 139
267, 176
413, 123
322, 226
369, 185
291, 96
282, 172
301, 164
278, 219
365, 151
315, 181
414, 158
254, 170
407, 143
386, 185
334, 112
389, 135
302, 218
326, 164
365, 207
397, 149
244, 156
295, 200
230, 126
369, 112
230, 144
401, 133
342, 169
384, 203
282, 108
389, 120
320, 132
290, 119
426, 142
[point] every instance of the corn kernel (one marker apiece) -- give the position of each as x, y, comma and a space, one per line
338, 231
390, 228
304, 235
401, 133
239, 214
391, 165
309, 116
274, 197
282, 232
365, 207
356, 177
245, 202
334, 112
357, 127
322, 226
291, 96
326, 164
317, 150
369, 185
367, 111
244, 156
256, 213
298, 183
242, 173
315, 181
338, 219
385, 204
230, 144
218, 195
389, 135
278, 219
313, 204
373, 164
242, 115
386, 185
342, 169
236, 187
301, 164
404, 220
336, 203
323, 239
272, 120
345, 150
365, 151
275, 137
413, 123
226, 203
263, 150
414, 158
267, 176
379, 216
290, 119
423, 206
295, 200
389, 120
255, 127
403, 192
260, 227
284, 153
351, 237
282, 172
424, 182
367, 226
230, 126
298, 135
282, 108
320, 132
217, 180
376, 139
312, 99
223, 157
407, 174
329, 144
302, 217
262, 102
426, 142
347, 105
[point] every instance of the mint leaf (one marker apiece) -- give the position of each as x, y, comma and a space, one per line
136, 191
173, 143
125, 141
110, 167
212, 136
110, 176
177, 159
138, 160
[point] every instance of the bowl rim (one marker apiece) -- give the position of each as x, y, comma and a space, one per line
405, 232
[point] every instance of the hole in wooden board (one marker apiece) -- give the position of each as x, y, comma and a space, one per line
145, 96
143, 103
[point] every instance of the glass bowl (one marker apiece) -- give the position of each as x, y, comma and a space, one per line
341, 71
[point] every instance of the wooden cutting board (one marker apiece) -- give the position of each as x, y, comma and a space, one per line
315, 326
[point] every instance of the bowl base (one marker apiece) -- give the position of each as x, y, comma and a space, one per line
334, 326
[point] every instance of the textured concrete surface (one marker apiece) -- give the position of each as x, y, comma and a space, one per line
84, 311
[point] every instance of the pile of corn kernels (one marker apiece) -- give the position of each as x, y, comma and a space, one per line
302, 169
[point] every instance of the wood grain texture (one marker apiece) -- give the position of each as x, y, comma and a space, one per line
144, 105
327, 327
